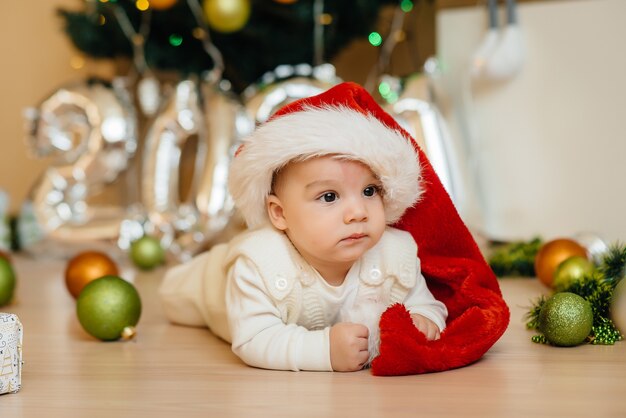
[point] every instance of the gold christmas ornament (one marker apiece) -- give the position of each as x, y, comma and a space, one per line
86, 267
162, 4
571, 270
553, 253
226, 15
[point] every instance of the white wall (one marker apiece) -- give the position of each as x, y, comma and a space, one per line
550, 144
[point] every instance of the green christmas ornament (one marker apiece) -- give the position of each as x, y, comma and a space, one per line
7, 282
566, 319
571, 270
147, 253
108, 308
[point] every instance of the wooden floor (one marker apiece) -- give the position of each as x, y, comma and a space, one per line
176, 371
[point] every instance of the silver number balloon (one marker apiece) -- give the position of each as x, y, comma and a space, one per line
218, 121
286, 84
424, 122
90, 127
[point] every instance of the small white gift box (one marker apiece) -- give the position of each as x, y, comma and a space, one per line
10, 353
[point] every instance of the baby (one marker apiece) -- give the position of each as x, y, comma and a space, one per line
303, 289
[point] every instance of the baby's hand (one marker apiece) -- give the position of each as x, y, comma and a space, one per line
348, 346
428, 327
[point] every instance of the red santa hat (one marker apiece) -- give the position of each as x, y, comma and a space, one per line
337, 129
346, 121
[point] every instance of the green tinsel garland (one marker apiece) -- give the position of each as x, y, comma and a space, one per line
614, 264
516, 258
597, 288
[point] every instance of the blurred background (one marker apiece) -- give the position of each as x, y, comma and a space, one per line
120, 117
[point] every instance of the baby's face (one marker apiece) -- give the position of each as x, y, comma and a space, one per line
331, 209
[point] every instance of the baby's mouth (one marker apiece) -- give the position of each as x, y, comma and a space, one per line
354, 237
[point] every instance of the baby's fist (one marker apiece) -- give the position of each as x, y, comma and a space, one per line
426, 326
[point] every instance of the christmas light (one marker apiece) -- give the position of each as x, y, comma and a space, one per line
375, 38
175, 39
406, 5
384, 89
387, 93
142, 5
326, 19
198, 33
102, 20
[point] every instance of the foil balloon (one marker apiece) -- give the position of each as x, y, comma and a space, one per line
216, 121
226, 123
90, 129
594, 244
286, 84
422, 119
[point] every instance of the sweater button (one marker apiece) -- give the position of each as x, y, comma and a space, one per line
281, 283
375, 273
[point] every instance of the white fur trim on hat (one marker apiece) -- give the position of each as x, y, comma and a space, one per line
318, 131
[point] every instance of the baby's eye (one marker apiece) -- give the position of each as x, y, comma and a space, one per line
370, 191
328, 197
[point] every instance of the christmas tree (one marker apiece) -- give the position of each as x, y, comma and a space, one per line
252, 36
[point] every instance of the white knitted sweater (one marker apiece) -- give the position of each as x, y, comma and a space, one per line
258, 293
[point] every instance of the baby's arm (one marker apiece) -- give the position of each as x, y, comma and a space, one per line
260, 337
429, 315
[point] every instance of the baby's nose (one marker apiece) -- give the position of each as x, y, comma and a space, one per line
355, 211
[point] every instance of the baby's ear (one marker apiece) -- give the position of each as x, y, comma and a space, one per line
275, 212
